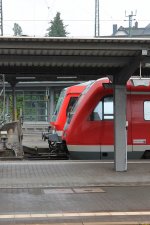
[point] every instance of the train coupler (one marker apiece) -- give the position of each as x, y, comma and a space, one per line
58, 150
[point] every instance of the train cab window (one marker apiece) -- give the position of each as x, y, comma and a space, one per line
71, 104
147, 110
97, 112
104, 110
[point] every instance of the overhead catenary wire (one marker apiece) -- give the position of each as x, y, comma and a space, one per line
72, 20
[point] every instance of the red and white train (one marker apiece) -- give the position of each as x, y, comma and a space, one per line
67, 99
89, 131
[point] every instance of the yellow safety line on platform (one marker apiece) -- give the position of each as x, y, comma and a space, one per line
86, 214
93, 223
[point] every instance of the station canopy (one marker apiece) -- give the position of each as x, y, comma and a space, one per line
73, 59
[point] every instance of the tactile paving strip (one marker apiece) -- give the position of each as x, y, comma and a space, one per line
74, 190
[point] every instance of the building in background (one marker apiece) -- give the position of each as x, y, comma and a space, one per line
134, 31
35, 101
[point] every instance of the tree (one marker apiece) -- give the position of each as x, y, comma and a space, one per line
17, 30
57, 28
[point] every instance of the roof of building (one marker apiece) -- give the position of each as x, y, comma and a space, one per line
134, 31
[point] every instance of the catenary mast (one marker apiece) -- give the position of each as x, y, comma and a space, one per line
97, 25
130, 19
1, 18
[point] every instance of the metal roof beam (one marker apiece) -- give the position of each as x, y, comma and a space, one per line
123, 76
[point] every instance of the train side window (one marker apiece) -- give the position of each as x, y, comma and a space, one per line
147, 110
104, 110
108, 108
71, 104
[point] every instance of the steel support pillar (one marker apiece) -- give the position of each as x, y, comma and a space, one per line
47, 110
120, 145
14, 109
51, 102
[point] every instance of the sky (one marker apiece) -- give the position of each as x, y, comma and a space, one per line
34, 15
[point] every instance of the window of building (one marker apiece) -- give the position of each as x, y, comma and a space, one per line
35, 106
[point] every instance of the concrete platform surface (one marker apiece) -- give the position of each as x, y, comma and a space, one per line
74, 192
59, 173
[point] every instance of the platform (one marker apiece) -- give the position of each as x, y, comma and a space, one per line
74, 192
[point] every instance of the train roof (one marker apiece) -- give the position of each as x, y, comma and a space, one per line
79, 87
133, 84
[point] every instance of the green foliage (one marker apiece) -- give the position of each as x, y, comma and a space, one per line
57, 28
19, 105
17, 30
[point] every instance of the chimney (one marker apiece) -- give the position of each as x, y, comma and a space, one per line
136, 24
114, 29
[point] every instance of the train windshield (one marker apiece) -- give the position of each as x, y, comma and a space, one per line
58, 105
72, 112
71, 104
81, 97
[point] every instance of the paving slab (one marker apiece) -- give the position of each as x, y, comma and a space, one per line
66, 173
74, 192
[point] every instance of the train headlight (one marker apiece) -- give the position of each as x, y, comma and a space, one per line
3, 137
